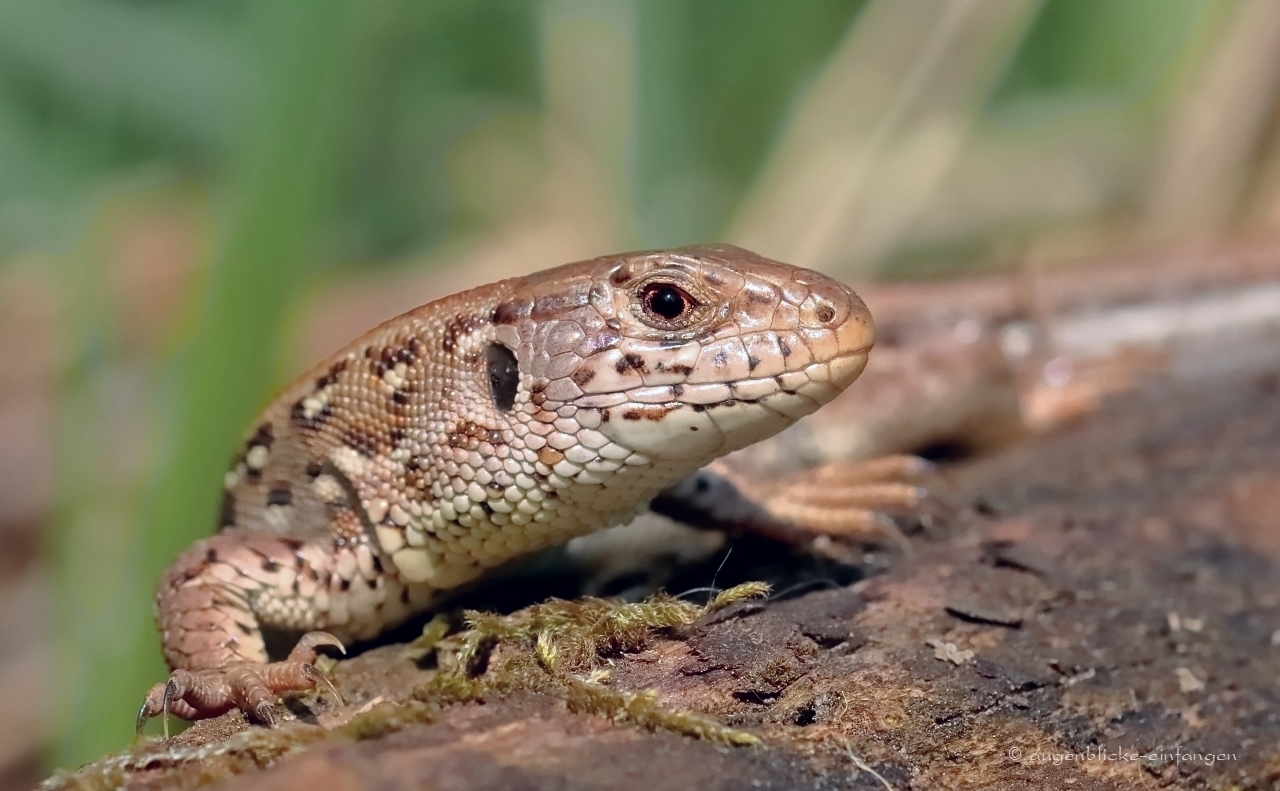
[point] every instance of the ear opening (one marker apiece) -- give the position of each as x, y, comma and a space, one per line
504, 376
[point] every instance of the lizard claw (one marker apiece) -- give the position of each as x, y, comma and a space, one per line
305, 649
252, 687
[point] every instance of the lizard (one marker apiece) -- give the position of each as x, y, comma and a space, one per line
482, 427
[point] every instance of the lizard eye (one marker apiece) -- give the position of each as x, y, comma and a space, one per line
666, 303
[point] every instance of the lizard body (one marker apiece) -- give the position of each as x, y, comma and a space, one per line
482, 427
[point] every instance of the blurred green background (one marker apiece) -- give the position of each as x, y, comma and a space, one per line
197, 199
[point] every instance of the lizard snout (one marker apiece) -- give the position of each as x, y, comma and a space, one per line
837, 327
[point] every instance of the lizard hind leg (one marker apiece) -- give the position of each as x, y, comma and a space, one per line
206, 610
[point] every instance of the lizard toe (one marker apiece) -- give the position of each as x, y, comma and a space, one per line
252, 687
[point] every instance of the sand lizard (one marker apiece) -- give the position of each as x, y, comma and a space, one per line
479, 428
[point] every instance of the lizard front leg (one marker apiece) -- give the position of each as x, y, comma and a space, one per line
208, 608
211, 605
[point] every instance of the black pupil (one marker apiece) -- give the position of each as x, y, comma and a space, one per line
666, 301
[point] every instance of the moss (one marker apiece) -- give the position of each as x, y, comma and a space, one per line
548, 648
574, 634
747, 590
388, 718
432, 634
642, 708
255, 748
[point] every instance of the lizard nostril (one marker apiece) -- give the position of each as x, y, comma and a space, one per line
828, 305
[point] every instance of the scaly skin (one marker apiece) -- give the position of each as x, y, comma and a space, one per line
482, 427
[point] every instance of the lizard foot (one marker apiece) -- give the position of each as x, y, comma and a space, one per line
838, 500
252, 687
851, 499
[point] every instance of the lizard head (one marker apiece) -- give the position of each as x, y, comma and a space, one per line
685, 355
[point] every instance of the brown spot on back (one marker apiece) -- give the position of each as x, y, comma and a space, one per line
752, 362
583, 374
460, 325
785, 347
390, 356
298, 417
361, 442
331, 376
408, 353
264, 436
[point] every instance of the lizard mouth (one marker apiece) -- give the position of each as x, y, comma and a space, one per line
698, 421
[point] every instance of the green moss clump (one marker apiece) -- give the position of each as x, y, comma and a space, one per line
255, 748
548, 648
432, 634
747, 590
387, 718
